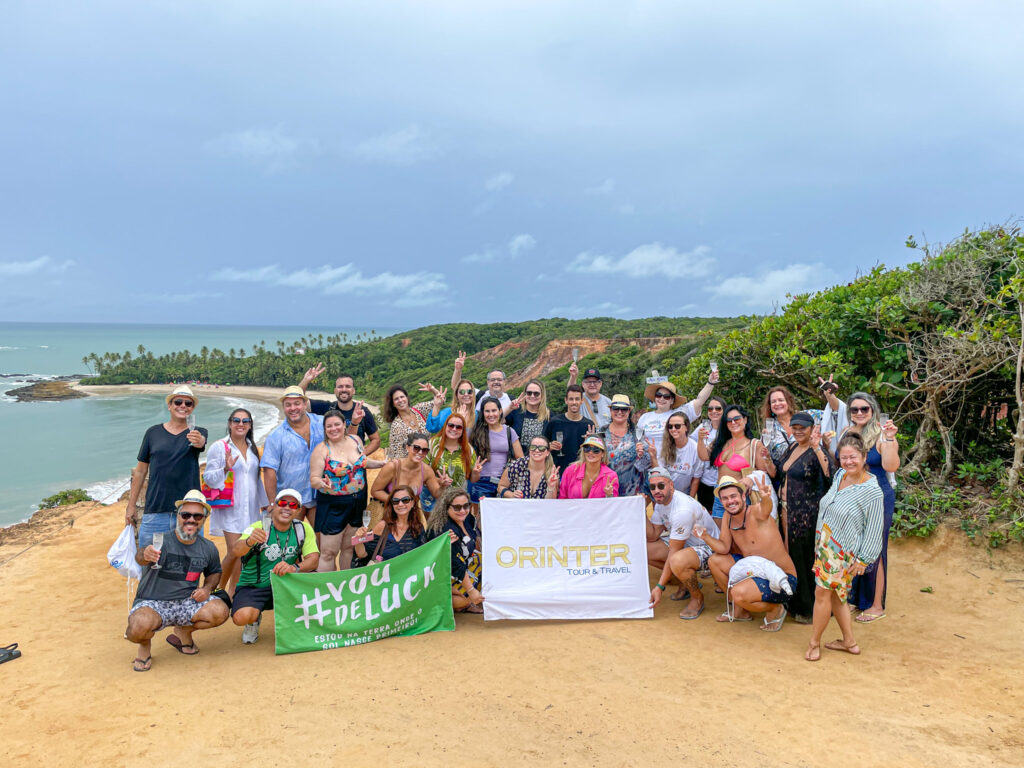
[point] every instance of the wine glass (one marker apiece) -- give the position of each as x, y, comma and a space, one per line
190, 420
575, 354
366, 518
714, 365
158, 544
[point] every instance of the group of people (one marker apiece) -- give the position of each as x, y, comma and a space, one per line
793, 523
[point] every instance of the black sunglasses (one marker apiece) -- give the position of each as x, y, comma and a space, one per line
675, 426
191, 515
236, 420
659, 486
418, 448
592, 449
459, 507
401, 500
714, 408
186, 403
663, 396
532, 394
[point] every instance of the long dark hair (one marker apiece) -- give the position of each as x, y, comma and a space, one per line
480, 438
388, 406
724, 435
248, 435
415, 514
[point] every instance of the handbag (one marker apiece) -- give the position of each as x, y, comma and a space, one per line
359, 562
220, 497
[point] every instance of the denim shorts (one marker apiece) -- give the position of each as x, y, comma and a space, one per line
717, 510
484, 488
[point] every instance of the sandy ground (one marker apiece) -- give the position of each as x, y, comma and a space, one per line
265, 394
939, 682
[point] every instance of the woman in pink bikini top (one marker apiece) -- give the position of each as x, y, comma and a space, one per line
735, 453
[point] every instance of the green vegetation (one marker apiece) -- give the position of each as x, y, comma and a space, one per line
939, 343
428, 354
64, 498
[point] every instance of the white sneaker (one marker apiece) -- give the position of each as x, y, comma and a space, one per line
251, 632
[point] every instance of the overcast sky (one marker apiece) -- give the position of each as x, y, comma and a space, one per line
403, 163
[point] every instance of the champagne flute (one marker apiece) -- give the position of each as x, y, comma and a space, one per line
575, 354
366, 518
190, 421
559, 437
158, 544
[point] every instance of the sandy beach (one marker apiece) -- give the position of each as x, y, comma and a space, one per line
939, 681
264, 394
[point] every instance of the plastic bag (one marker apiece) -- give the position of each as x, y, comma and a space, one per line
121, 554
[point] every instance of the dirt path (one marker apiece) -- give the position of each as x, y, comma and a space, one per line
939, 682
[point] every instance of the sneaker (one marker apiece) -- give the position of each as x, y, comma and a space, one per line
251, 632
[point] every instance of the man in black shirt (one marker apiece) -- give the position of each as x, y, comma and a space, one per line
357, 416
170, 454
567, 431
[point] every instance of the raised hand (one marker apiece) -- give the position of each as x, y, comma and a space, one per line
358, 414
553, 477
889, 429
713, 378
439, 397
827, 387
426, 387
574, 369
460, 360
609, 489
229, 460
478, 467
313, 373
763, 486
816, 435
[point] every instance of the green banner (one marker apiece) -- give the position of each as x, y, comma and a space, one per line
408, 595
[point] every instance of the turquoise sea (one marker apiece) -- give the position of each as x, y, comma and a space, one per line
92, 442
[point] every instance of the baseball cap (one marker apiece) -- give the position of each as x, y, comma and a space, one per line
592, 373
288, 492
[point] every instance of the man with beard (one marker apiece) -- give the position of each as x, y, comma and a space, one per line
687, 553
169, 592
750, 530
286, 453
358, 418
565, 433
277, 544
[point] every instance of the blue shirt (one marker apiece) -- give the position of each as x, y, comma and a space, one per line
287, 453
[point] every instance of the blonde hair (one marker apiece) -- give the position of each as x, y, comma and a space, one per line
471, 418
604, 456
542, 410
871, 431
548, 463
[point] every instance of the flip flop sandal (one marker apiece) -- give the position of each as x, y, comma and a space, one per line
867, 618
175, 642
725, 618
774, 625
837, 645
9, 653
146, 663
696, 615
807, 656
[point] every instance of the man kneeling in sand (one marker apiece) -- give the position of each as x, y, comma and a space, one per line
752, 531
682, 515
169, 592
276, 544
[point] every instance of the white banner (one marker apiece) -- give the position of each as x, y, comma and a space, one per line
565, 559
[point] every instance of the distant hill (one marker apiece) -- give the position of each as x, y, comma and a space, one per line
624, 350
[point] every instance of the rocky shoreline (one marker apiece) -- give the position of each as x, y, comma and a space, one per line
51, 390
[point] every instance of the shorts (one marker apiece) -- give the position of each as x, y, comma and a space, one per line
172, 613
260, 598
335, 513
704, 553
767, 596
484, 488
717, 510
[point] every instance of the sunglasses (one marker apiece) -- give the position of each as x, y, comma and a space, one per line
620, 408
533, 394
186, 403
465, 391
288, 503
860, 409
236, 420
401, 500
714, 408
675, 426
453, 428
659, 486
418, 448
191, 515
592, 449
663, 396
538, 448
731, 419
460, 507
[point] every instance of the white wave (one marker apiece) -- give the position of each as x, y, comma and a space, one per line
108, 491
2, 348
44, 346
265, 415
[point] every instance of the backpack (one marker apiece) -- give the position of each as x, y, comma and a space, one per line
300, 537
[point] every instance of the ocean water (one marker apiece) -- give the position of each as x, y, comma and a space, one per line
92, 443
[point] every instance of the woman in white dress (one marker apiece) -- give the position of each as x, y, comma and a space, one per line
236, 453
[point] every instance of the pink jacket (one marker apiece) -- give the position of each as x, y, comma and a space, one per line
571, 486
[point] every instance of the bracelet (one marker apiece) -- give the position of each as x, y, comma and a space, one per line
660, 586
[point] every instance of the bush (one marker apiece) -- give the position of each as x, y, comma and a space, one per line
64, 498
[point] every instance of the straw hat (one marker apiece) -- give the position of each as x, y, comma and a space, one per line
193, 497
181, 391
652, 388
293, 392
729, 482
620, 400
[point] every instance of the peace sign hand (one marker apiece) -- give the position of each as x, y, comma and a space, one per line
439, 396
460, 360
609, 489
816, 435
478, 467
358, 413
314, 373
427, 387
763, 486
